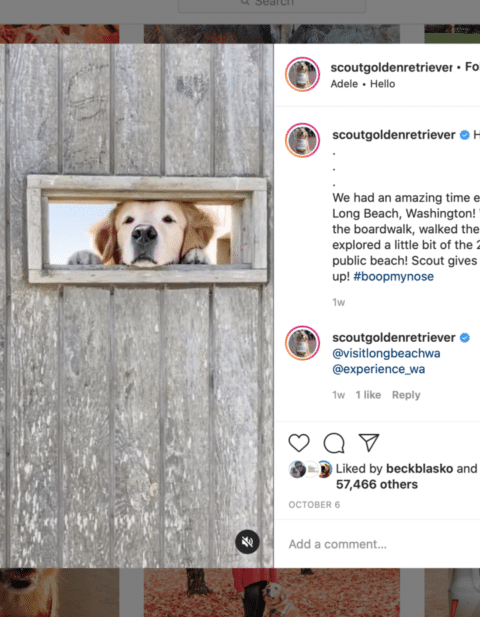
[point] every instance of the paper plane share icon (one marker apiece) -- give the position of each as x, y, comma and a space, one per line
369, 439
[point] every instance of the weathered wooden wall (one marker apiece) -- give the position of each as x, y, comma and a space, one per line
137, 423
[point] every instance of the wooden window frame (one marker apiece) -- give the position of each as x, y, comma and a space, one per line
247, 196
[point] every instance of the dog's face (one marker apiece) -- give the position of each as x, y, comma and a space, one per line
301, 134
151, 233
23, 580
325, 470
302, 336
274, 594
302, 67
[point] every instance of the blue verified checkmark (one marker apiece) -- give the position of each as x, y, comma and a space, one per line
464, 337
464, 135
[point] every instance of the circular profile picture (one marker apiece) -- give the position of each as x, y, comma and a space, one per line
302, 74
302, 140
326, 469
313, 469
297, 469
302, 343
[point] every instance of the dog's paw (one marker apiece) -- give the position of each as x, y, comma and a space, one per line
195, 256
84, 258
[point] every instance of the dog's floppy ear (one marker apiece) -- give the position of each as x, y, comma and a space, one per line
104, 235
199, 229
283, 595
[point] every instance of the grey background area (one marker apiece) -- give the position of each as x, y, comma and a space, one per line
167, 12
412, 592
136, 423
411, 33
131, 33
131, 592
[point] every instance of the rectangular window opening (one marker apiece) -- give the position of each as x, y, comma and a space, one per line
62, 210
69, 225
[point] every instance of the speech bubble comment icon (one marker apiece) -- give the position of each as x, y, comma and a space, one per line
334, 443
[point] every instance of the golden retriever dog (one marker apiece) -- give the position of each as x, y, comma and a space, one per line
301, 344
302, 79
301, 141
278, 605
28, 592
325, 470
149, 233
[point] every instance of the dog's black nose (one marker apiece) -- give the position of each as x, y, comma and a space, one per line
144, 234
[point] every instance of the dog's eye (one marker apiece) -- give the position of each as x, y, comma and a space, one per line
129, 219
168, 219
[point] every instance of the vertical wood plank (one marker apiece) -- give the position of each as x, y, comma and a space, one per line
86, 441
188, 146
137, 109
34, 229
88, 320
238, 340
235, 420
32, 116
266, 424
136, 371
86, 102
188, 151
186, 442
237, 120
3, 418
137, 438
260, 223
247, 231
3, 170
3, 305
45, 232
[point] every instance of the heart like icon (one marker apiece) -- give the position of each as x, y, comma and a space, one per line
299, 442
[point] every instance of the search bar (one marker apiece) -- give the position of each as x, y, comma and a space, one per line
271, 6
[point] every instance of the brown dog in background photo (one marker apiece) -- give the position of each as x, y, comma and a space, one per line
28, 592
